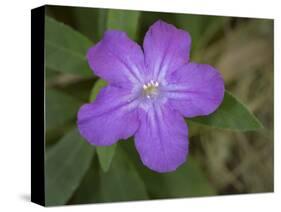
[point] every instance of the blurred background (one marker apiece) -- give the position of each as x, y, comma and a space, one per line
220, 162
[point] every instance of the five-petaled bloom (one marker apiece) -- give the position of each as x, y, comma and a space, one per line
150, 92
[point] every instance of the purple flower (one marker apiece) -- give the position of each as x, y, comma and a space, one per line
150, 92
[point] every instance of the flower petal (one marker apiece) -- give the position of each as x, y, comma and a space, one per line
162, 138
196, 90
166, 48
112, 116
117, 59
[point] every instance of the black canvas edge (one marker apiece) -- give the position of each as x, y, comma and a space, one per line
38, 106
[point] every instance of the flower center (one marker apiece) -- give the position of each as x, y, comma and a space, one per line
150, 89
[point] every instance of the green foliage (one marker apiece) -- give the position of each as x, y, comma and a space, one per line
201, 28
99, 84
89, 188
231, 114
50, 74
121, 183
66, 164
60, 108
124, 20
105, 154
188, 180
66, 49
90, 21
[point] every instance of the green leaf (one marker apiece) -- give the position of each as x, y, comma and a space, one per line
105, 153
187, 181
89, 188
201, 28
90, 21
60, 108
50, 74
213, 25
66, 49
121, 183
124, 20
99, 84
232, 115
102, 21
66, 164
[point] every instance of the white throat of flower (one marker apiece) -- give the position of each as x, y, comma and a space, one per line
150, 89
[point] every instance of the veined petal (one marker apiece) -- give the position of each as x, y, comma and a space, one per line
195, 90
112, 116
117, 59
162, 138
166, 48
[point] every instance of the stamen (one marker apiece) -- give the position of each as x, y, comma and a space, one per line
150, 89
